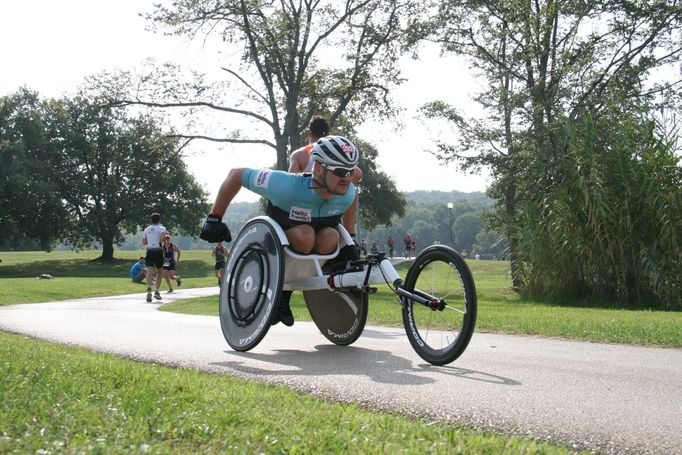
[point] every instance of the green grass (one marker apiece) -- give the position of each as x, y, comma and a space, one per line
97, 403
78, 275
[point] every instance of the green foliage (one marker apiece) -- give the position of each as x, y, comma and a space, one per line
116, 170
427, 220
613, 225
380, 200
81, 173
31, 210
545, 62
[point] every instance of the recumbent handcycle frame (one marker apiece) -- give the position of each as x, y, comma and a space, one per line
437, 297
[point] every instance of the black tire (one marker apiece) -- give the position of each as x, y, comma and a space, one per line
251, 286
340, 316
440, 336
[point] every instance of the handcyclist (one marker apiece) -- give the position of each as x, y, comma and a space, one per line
307, 206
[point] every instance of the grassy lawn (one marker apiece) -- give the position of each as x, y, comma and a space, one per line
78, 275
97, 403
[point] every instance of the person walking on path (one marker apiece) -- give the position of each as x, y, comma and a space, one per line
219, 252
171, 260
389, 244
154, 258
408, 245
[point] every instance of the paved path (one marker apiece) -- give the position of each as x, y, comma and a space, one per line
611, 398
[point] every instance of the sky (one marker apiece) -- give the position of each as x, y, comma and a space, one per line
50, 47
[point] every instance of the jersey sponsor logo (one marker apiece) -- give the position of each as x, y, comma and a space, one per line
263, 178
300, 214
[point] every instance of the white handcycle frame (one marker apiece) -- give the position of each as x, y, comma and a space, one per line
303, 272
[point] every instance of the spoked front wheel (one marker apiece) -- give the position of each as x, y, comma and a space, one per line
440, 330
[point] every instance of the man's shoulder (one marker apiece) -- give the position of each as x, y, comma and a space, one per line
305, 150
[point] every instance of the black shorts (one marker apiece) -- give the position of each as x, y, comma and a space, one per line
282, 218
154, 258
219, 265
169, 265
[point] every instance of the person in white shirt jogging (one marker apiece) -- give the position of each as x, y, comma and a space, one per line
152, 239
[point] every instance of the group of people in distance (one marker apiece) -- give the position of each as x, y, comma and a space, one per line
160, 261
410, 247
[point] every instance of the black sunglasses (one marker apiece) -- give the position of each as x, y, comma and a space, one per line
340, 171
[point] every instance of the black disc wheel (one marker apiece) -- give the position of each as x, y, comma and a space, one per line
440, 330
340, 316
251, 286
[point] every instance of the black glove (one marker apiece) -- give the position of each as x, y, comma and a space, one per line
215, 230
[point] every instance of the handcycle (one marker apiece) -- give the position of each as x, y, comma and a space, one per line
437, 297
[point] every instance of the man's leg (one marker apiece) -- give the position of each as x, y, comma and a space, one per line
149, 273
159, 277
301, 238
326, 240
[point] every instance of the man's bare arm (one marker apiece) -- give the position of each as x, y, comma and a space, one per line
299, 159
228, 190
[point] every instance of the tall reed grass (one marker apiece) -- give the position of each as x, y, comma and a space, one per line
611, 225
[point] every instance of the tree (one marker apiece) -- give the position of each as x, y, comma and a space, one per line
465, 228
546, 62
298, 59
31, 211
114, 171
379, 200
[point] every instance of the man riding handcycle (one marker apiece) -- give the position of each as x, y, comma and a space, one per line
294, 247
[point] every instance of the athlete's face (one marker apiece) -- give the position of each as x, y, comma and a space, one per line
338, 179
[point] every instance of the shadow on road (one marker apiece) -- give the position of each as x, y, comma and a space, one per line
472, 375
379, 366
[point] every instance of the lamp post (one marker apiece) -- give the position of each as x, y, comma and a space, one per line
450, 205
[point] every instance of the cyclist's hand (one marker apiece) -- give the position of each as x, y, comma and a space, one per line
215, 230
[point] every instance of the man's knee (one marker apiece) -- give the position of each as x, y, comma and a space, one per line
326, 240
301, 238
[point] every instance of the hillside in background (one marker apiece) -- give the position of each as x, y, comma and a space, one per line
477, 198
427, 219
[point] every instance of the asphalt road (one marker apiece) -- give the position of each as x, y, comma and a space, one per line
607, 398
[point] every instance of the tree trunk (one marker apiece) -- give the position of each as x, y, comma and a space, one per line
510, 209
107, 249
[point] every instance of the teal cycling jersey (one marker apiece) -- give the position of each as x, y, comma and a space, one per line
293, 200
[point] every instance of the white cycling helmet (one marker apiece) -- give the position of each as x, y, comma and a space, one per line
335, 151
